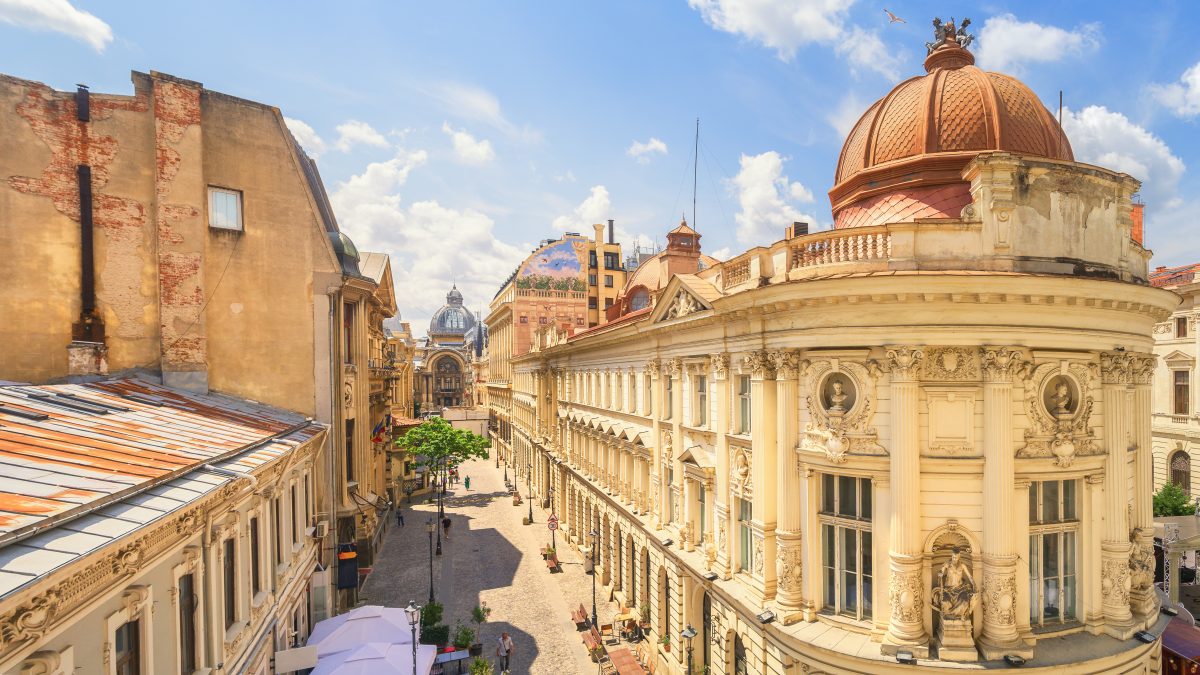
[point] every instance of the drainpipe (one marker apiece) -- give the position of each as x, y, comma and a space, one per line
331, 591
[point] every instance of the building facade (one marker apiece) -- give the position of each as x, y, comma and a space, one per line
923, 436
1176, 423
443, 373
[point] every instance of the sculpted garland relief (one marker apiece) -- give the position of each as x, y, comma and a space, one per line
790, 567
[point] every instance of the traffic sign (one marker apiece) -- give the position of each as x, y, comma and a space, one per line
552, 519
551, 525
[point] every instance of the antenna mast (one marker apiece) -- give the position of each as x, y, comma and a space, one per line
695, 169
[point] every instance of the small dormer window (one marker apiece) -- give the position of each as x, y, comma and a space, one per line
224, 209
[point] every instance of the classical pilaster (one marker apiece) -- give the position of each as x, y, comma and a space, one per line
1000, 636
1116, 372
763, 467
720, 365
906, 593
1142, 599
672, 492
655, 408
789, 559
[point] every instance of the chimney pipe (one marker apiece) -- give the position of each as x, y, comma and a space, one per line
611, 235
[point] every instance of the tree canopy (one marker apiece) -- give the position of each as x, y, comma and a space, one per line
1171, 500
442, 444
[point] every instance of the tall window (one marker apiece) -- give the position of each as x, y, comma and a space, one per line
295, 518
1181, 470
700, 496
648, 398
278, 532
255, 559
1181, 327
743, 404
224, 209
349, 450
666, 607
668, 399
230, 580
740, 667
1053, 533
128, 649
745, 513
670, 491
1182, 392
701, 400
187, 624
348, 333
846, 545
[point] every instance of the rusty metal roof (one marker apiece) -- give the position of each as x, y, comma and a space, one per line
82, 465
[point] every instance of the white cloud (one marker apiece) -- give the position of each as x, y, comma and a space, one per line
469, 102
469, 149
1005, 42
766, 198
354, 132
595, 208
1182, 97
788, 26
427, 241
58, 16
723, 253
312, 142
1105, 138
845, 114
643, 152
567, 177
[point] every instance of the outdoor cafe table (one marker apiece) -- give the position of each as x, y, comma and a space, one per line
624, 661
456, 657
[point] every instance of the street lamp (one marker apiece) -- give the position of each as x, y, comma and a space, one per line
687, 634
414, 615
595, 535
529, 487
550, 493
430, 527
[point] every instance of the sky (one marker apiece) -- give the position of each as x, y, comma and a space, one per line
455, 136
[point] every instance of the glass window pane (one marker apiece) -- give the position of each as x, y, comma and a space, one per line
1068, 552
1069, 500
827, 493
864, 488
866, 553
850, 593
1034, 579
849, 552
1033, 496
847, 503
1050, 501
829, 546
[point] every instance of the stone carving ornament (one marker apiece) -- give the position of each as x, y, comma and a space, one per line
999, 598
954, 596
720, 364
759, 363
682, 305
1114, 580
739, 472
1141, 563
758, 557
952, 363
839, 411
790, 567
905, 596
1059, 409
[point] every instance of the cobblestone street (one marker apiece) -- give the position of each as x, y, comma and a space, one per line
491, 557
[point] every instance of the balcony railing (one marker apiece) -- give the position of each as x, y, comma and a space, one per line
838, 246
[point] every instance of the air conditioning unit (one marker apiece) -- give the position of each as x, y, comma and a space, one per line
321, 530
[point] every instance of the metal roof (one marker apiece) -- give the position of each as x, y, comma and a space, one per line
82, 465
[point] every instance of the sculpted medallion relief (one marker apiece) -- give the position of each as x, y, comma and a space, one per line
839, 407
1059, 407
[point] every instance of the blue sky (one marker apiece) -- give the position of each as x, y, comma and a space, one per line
456, 135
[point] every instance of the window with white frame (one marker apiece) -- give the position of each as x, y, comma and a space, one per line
1053, 541
701, 416
229, 581
255, 559
745, 514
1181, 327
744, 411
188, 605
846, 546
702, 499
127, 648
1182, 392
224, 208
670, 491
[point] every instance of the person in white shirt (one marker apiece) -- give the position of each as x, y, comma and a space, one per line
504, 649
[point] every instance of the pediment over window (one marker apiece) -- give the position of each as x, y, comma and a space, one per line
1178, 357
684, 295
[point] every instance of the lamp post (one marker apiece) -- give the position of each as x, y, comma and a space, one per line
550, 493
595, 535
430, 527
414, 615
687, 634
529, 487
506, 472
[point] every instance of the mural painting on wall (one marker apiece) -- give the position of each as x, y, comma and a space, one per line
555, 267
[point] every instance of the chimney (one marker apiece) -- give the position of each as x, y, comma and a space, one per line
611, 232
87, 354
796, 229
1138, 230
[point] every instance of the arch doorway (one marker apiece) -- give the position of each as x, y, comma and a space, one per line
1181, 471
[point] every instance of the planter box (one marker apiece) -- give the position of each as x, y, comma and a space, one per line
476, 649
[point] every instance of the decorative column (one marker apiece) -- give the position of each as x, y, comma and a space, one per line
674, 491
720, 364
1000, 552
1143, 602
789, 555
763, 469
1116, 371
906, 593
655, 407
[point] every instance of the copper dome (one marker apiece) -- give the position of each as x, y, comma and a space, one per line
910, 146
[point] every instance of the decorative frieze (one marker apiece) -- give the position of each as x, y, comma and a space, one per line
790, 566
904, 363
951, 364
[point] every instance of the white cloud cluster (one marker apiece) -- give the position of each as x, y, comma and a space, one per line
58, 16
431, 245
1005, 42
767, 197
467, 148
1108, 139
595, 208
308, 138
354, 132
787, 25
644, 152
1182, 97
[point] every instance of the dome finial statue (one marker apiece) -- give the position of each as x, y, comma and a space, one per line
946, 33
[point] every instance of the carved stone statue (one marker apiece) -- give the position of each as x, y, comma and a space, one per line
1061, 399
955, 598
837, 397
947, 32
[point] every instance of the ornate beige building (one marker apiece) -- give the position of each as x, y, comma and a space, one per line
923, 435
1176, 422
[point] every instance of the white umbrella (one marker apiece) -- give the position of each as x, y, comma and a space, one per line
372, 623
378, 658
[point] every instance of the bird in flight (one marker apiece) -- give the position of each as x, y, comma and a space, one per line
894, 18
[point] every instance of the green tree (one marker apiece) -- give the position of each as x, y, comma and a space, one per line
1171, 500
442, 445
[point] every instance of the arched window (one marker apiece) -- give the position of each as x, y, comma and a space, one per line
639, 299
1181, 470
740, 667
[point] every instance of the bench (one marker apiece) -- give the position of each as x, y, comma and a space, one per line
580, 617
552, 564
591, 640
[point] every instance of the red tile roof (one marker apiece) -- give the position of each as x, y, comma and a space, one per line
1170, 277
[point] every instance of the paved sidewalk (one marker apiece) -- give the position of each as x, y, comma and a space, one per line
491, 557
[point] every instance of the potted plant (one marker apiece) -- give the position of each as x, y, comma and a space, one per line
479, 615
480, 666
464, 637
645, 611
666, 643
431, 614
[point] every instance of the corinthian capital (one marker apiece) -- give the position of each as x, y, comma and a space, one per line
1116, 367
1142, 368
720, 364
674, 366
905, 362
759, 363
1000, 363
785, 362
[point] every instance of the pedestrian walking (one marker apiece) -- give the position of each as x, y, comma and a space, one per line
467, 482
504, 650
400, 517
446, 527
